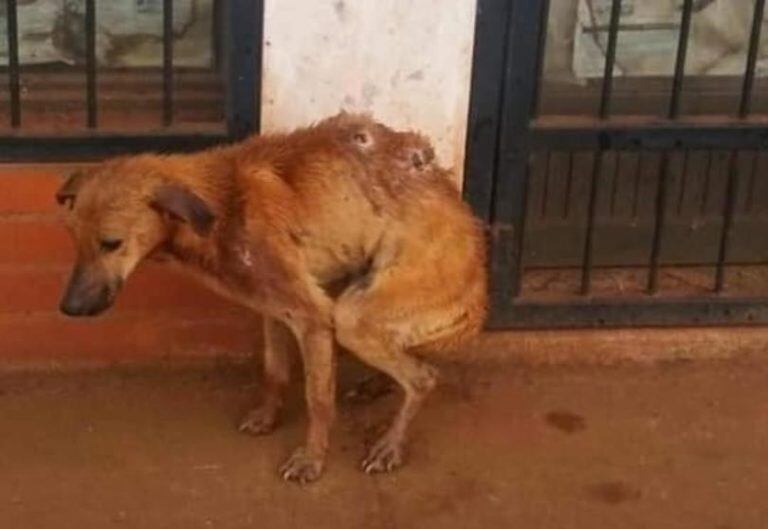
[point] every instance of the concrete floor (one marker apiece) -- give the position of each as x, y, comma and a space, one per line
680, 445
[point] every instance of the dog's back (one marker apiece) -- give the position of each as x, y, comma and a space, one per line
363, 200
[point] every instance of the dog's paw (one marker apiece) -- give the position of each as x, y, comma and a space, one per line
259, 421
385, 456
302, 467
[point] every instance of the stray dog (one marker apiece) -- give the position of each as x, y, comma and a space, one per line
345, 231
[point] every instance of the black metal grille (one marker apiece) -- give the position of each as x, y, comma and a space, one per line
238, 39
578, 199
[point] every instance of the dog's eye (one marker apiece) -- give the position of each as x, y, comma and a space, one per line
110, 245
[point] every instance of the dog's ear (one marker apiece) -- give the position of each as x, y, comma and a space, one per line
182, 204
67, 193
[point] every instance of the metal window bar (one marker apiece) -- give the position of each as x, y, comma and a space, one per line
568, 186
239, 38
244, 38
90, 64
754, 44
532, 108
521, 131
484, 119
597, 168
680, 61
527, 21
729, 207
14, 87
729, 204
640, 313
653, 135
541, 47
167, 62
673, 114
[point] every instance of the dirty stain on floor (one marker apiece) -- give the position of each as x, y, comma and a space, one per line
678, 446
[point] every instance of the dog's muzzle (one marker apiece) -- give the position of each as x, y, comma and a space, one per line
87, 295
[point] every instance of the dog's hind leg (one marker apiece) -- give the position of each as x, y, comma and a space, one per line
278, 343
360, 329
400, 312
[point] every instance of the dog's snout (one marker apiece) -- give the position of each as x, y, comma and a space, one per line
85, 306
85, 296
72, 306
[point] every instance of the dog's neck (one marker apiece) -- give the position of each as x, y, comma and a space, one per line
239, 266
212, 179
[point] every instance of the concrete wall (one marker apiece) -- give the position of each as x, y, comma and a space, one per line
409, 63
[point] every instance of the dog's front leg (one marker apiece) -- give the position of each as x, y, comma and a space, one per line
317, 351
278, 343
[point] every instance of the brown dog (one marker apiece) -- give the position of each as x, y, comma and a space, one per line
345, 231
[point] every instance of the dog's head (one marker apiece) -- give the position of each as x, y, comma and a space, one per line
118, 213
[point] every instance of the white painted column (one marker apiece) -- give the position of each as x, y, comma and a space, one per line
408, 62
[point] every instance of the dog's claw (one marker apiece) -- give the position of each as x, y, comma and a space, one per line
302, 468
258, 421
385, 456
